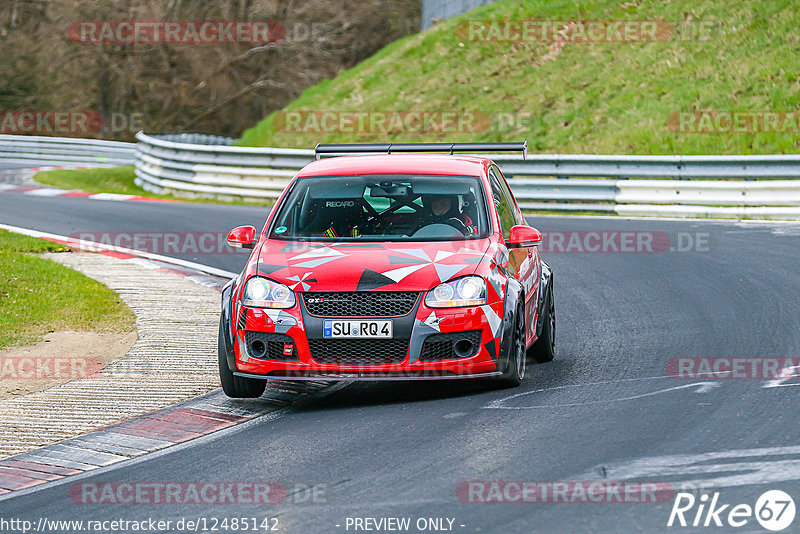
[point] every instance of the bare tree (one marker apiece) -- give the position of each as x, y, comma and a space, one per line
221, 88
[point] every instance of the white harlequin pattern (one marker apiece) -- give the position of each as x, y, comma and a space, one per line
272, 314
433, 322
318, 253
441, 254
314, 263
299, 280
493, 318
470, 251
496, 279
282, 320
316, 257
402, 272
242, 348
443, 271
416, 252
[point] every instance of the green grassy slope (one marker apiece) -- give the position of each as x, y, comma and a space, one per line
118, 180
39, 296
602, 97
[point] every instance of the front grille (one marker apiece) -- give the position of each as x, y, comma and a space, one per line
273, 346
439, 347
358, 351
361, 303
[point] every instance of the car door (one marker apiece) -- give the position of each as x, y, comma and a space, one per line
523, 262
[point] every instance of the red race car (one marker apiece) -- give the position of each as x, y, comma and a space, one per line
392, 266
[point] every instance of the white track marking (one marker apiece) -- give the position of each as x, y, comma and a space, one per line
499, 404
756, 466
788, 373
93, 246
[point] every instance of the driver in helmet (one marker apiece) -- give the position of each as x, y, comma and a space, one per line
444, 209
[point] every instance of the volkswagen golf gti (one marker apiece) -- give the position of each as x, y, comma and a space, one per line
389, 262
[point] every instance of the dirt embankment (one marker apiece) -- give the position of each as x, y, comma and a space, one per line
60, 357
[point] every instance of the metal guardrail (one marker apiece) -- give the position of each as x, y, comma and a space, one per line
439, 10
65, 151
694, 186
209, 166
675, 167
198, 165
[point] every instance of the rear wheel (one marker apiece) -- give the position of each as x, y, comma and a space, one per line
515, 363
544, 349
235, 387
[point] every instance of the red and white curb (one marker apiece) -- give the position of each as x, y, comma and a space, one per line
182, 267
36, 191
24, 184
151, 432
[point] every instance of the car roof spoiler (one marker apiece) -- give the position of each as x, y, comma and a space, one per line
394, 148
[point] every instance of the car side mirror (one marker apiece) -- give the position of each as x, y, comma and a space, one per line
242, 237
523, 236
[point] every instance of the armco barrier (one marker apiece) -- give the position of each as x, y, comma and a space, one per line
40, 150
675, 186
197, 165
675, 167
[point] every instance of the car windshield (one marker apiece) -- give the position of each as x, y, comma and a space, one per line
383, 208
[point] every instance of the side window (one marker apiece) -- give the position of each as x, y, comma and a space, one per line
504, 210
518, 218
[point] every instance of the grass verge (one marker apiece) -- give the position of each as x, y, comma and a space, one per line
38, 296
118, 180
101, 180
571, 97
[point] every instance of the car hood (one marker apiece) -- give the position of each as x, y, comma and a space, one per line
417, 266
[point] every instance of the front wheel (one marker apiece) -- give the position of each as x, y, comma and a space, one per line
235, 387
515, 364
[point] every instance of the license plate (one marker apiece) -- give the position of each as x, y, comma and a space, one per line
357, 329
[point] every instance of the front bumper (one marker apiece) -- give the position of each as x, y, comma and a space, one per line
365, 376
416, 327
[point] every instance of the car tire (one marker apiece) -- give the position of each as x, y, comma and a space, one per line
236, 387
515, 362
544, 349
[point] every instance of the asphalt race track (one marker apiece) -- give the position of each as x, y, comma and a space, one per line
605, 409
11, 164
121, 222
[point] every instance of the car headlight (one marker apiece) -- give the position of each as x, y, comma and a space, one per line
262, 293
467, 291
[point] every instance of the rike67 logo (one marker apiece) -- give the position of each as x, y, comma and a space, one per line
774, 510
